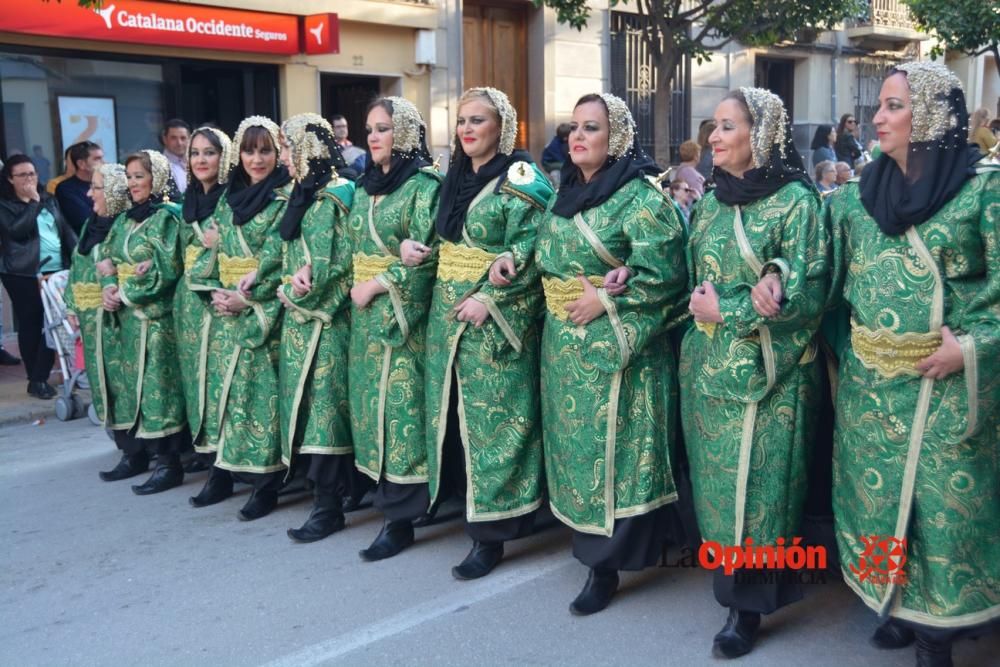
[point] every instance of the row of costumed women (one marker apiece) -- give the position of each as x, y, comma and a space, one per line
477, 334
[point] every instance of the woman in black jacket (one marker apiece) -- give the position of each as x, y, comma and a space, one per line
34, 238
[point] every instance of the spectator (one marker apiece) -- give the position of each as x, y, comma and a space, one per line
42, 164
844, 173
683, 196
688, 172
979, 130
556, 153
823, 144
705, 130
68, 170
175, 137
340, 133
826, 176
34, 238
848, 148
87, 157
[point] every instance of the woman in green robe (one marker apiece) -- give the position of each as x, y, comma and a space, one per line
608, 372
244, 426
484, 436
209, 159
393, 209
918, 406
140, 266
109, 192
750, 383
313, 250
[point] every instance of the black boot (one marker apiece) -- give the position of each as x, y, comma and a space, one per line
481, 560
41, 390
167, 474
130, 465
737, 635
261, 503
326, 518
393, 538
218, 487
597, 592
933, 653
197, 463
891, 635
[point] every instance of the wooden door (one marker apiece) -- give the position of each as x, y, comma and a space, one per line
494, 41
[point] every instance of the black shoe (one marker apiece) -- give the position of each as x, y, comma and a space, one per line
130, 465
597, 592
393, 538
737, 635
481, 560
261, 504
167, 474
931, 653
41, 390
196, 464
353, 504
891, 635
8, 359
326, 518
218, 487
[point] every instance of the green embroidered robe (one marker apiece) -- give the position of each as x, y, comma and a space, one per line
193, 319
749, 387
609, 388
312, 372
915, 458
83, 299
496, 364
143, 374
248, 435
386, 362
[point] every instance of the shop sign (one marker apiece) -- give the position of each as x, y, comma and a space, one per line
322, 34
161, 23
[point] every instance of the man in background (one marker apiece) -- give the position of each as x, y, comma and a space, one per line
175, 137
87, 157
340, 133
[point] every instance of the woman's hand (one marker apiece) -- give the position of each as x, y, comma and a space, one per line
246, 283
302, 281
588, 307
615, 281
363, 293
946, 360
413, 253
766, 296
107, 268
704, 304
501, 271
142, 267
111, 300
228, 302
282, 297
210, 237
472, 311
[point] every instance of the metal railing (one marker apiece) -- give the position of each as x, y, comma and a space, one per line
886, 14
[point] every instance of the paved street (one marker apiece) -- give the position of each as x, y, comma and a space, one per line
93, 575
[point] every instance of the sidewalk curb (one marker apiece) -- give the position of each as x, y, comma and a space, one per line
43, 411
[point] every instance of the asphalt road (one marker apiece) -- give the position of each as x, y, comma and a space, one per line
91, 574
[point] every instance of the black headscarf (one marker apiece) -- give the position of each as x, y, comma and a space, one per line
94, 232
939, 159
199, 204
304, 191
462, 184
246, 199
776, 162
402, 165
140, 212
575, 195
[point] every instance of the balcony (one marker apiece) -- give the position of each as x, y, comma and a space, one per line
887, 24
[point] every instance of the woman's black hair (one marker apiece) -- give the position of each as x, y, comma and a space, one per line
6, 187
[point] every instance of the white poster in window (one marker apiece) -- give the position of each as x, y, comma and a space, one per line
89, 119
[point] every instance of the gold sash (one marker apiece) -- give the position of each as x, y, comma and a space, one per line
367, 267
560, 293
460, 263
87, 296
231, 269
191, 254
889, 353
125, 271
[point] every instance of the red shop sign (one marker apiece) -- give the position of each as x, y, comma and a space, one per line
165, 24
322, 34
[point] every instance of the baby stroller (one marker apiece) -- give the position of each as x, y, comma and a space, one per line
61, 337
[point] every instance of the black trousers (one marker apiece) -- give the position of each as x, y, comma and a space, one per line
27, 302
762, 591
335, 475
